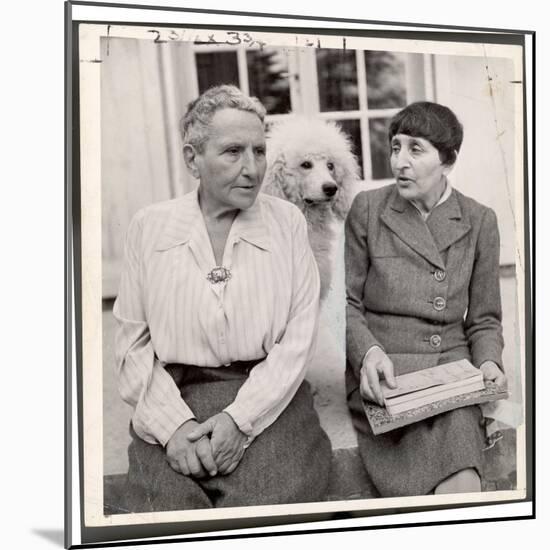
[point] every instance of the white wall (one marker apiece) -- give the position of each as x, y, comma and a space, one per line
144, 92
481, 92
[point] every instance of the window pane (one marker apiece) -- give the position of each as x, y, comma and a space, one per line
268, 79
386, 86
379, 148
353, 129
214, 68
337, 75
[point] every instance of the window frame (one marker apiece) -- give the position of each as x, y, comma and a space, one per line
304, 91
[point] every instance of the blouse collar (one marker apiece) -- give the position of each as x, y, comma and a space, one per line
184, 221
446, 194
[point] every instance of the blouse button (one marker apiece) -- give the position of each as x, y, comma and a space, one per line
439, 303
435, 340
439, 275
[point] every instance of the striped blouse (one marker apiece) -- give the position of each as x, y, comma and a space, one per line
168, 312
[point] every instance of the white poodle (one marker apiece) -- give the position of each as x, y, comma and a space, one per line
311, 164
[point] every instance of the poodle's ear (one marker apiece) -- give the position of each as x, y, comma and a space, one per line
341, 204
274, 178
277, 181
349, 177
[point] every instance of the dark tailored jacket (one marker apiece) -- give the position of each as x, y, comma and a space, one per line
425, 292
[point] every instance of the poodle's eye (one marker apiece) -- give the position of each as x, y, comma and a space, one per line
306, 164
330, 166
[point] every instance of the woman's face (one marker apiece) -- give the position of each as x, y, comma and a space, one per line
232, 164
418, 170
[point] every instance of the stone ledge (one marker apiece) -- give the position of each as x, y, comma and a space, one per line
349, 481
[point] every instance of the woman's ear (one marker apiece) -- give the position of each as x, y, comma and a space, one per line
190, 157
448, 168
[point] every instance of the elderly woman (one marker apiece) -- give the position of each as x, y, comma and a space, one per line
422, 277
217, 314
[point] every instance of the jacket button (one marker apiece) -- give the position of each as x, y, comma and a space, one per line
435, 340
439, 275
439, 303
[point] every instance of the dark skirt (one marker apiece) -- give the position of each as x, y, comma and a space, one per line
414, 459
288, 462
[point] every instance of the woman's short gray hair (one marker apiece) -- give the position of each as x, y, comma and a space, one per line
195, 122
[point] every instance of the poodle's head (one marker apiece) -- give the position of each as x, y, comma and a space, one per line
310, 163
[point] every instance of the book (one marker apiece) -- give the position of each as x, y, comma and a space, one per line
396, 408
439, 401
434, 384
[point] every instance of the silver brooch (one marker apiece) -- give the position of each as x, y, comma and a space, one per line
219, 274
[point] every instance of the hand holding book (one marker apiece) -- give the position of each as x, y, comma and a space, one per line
491, 371
376, 365
421, 394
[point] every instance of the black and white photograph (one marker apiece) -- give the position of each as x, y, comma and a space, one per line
303, 270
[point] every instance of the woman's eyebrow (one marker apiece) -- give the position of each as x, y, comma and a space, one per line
230, 145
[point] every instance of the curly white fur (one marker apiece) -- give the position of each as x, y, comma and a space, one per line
311, 164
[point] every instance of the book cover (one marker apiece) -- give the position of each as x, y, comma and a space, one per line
381, 421
448, 373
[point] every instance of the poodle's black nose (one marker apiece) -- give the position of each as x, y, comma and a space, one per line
329, 189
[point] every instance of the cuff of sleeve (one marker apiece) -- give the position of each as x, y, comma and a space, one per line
375, 346
167, 433
479, 358
478, 363
163, 431
240, 418
358, 349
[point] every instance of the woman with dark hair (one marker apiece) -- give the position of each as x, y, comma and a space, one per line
422, 278
217, 314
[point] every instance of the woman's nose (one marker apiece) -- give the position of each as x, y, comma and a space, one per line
249, 166
402, 159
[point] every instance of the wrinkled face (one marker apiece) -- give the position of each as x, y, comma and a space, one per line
418, 170
232, 164
316, 178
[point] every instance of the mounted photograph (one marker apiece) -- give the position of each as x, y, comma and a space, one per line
301, 270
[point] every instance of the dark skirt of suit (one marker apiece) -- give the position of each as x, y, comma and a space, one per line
289, 462
414, 459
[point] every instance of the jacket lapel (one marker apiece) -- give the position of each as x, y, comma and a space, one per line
403, 219
446, 223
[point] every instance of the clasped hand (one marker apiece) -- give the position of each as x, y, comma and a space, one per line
214, 447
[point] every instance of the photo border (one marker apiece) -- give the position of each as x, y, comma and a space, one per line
74, 356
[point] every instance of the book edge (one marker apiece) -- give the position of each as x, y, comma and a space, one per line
435, 397
378, 429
